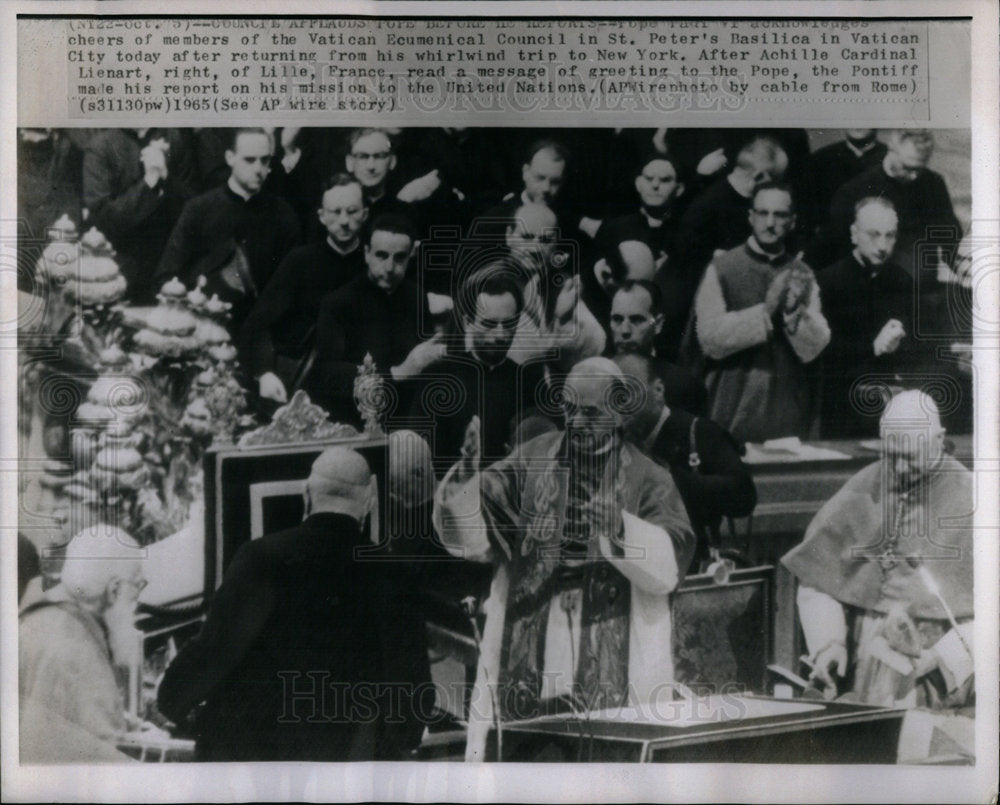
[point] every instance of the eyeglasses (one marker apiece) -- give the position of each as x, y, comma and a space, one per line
379, 156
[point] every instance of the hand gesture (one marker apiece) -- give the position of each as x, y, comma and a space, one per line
776, 292
828, 662
799, 286
271, 388
420, 357
420, 188
154, 162
889, 338
712, 163
566, 301
468, 464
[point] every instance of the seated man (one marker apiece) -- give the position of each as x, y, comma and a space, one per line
588, 537
836, 164
717, 217
278, 335
703, 459
73, 640
868, 302
478, 376
758, 321
919, 196
656, 225
636, 322
380, 312
885, 572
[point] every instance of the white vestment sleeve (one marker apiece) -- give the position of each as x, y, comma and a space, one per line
458, 518
648, 561
956, 661
723, 332
822, 618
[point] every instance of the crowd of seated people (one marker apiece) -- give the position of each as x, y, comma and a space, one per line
746, 288
784, 309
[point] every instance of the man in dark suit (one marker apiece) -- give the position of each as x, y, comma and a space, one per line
703, 459
380, 312
288, 662
477, 377
636, 323
835, 165
279, 333
236, 234
868, 300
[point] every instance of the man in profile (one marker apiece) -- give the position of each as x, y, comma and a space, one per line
885, 572
74, 642
292, 637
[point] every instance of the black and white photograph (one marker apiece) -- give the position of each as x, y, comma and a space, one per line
360, 411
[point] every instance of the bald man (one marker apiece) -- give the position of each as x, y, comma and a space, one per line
291, 637
587, 537
70, 640
868, 302
885, 572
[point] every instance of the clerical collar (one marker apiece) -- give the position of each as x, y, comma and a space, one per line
755, 248
873, 270
649, 441
654, 221
861, 150
235, 188
343, 253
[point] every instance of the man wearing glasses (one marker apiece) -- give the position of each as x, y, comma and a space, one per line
758, 322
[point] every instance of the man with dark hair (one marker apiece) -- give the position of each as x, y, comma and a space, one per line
371, 159
380, 312
477, 375
703, 459
636, 323
717, 218
543, 174
758, 321
868, 301
834, 165
659, 188
278, 334
235, 235
919, 196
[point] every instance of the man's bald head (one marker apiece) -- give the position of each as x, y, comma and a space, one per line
912, 437
597, 397
97, 560
411, 469
340, 482
531, 232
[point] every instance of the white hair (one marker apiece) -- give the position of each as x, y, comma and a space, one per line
97, 556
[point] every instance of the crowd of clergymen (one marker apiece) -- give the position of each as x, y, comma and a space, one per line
726, 286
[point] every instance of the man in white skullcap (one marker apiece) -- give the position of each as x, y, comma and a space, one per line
71, 639
885, 572
588, 537
290, 636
